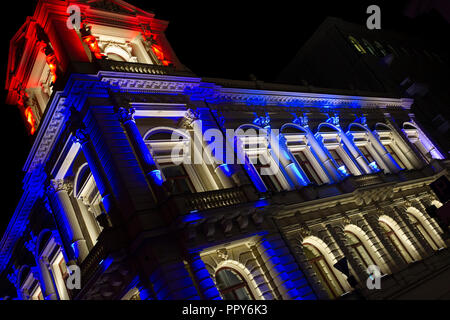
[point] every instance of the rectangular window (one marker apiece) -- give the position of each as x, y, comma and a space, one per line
307, 168
177, 178
367, 154
338, 159
269, 180
394, 155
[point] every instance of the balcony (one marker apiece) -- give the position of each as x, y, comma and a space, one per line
192, 202
132, 67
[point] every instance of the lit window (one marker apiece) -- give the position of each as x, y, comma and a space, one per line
369, 47
323, 271
421, 141
394, 155
298, 145
172, 151
90, 201
232, 285
423, 230
357, 45
178, 179
253, 149
397, 243
307, 167
360, 249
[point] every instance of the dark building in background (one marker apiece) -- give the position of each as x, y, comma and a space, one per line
344, 55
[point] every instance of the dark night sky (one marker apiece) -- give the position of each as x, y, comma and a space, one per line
214, 39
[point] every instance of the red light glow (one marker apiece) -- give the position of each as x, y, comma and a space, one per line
51, 62
30, 119
160, 54
92, 43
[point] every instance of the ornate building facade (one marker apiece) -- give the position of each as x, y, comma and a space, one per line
126, 182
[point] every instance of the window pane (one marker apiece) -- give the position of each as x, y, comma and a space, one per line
226, 278
394, 155
178, 179
242, 294
307, 167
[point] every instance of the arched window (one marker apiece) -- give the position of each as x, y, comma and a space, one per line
363, 253
232, 286
118, 51
415, 222
172, 149
356, 44
419, 220
397, 243
323, 270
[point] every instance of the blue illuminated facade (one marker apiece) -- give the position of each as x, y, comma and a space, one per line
121, 185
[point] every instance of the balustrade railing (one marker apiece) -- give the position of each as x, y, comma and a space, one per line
121, 66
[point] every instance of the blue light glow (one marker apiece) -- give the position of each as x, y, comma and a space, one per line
157, 177
373, 165
343, 170
261, 203
298, 175
226, 169
192, 216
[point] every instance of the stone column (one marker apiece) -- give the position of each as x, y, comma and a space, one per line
145, 290
63, 206
295, 172
383, 153
397, 261
100, 178
48, 285
322, 154
151, 169
432, 148
289, 280
355, 153
406, 147
227, 169
223, 171
204, 283
338, 234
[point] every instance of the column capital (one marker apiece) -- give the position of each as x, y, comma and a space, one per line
77, 126
189, 117
31, 244
80, 135
56, 185
126, 114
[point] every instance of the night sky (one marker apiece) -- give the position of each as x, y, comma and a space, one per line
215, 39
